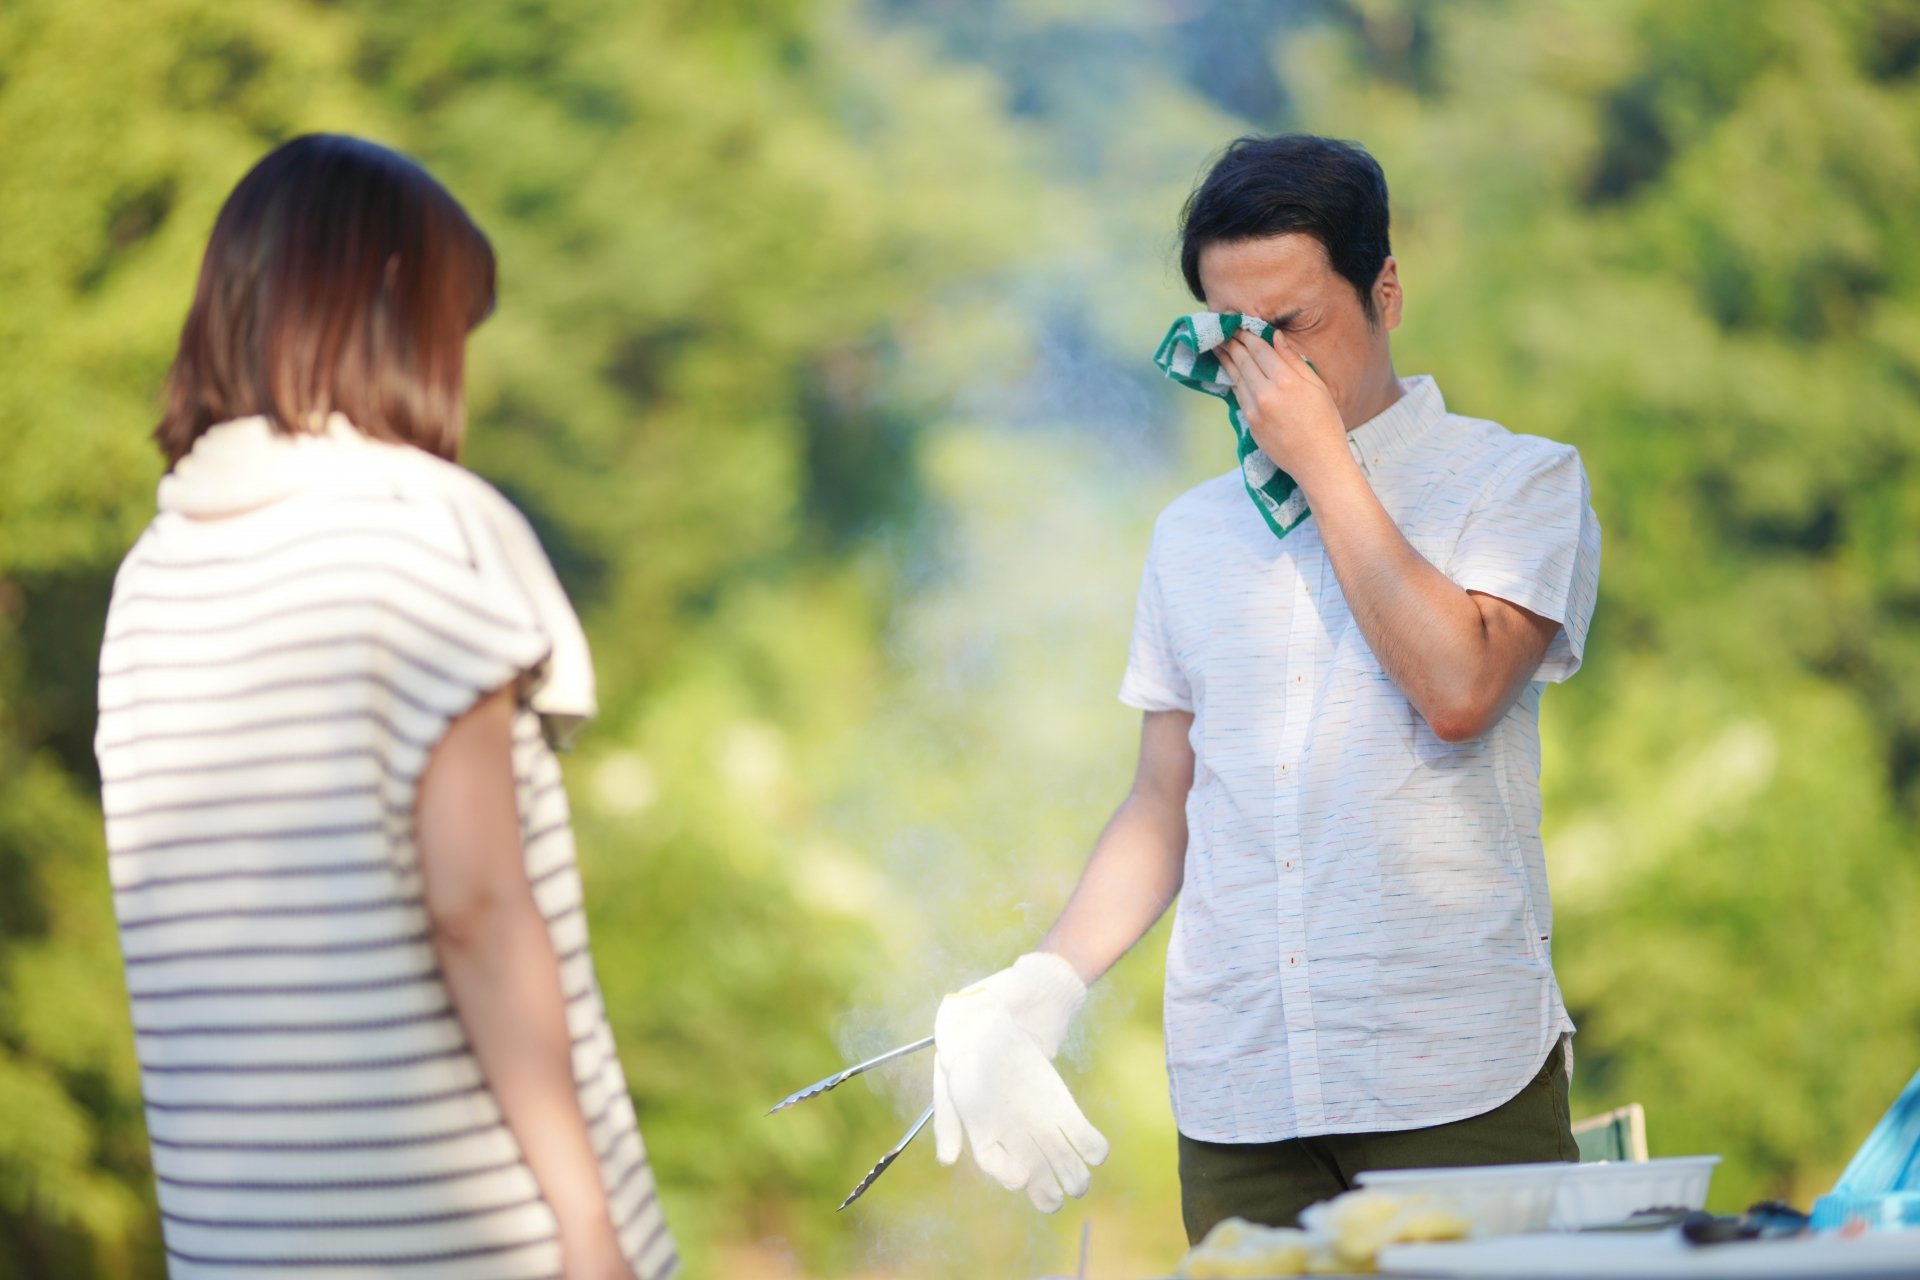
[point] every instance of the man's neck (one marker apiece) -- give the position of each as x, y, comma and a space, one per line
1383, 392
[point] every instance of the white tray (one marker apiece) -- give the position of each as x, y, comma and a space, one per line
1593, 1194
1512, 1199
1498, 1199
1660, 1255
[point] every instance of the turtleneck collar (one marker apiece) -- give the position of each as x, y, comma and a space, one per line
245, 463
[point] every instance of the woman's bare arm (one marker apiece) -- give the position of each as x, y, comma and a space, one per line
1138, 862
499, 965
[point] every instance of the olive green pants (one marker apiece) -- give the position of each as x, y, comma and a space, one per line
1271, 1182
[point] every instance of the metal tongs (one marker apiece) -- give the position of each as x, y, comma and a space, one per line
839, 1078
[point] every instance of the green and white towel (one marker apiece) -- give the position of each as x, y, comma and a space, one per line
1187, 356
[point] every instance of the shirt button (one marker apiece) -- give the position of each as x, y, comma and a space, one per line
1288, 864
1292, 961
1305, 590
1299, 679
1283, 766
1376, 459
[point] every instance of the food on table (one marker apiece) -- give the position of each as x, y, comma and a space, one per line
1238, 1248
1344, 1234
1357, 1225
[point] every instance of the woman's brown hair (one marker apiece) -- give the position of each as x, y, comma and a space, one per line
340, 278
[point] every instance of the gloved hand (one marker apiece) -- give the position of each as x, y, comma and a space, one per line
993, 1078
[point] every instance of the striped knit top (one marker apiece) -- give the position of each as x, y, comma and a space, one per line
270, 688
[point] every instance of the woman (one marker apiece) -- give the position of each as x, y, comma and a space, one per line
370, 1037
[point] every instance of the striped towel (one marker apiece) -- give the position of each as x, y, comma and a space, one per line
1186, 356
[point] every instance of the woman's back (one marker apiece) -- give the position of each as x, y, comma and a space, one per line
272, 685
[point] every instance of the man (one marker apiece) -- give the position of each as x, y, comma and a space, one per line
1339, 761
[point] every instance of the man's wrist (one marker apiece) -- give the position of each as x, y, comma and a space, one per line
1042, 992
1329, 474
1313, 450
1058, 974
1077, 963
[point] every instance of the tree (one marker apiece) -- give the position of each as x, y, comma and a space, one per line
708, 219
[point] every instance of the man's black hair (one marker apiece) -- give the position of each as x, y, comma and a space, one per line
1259, 187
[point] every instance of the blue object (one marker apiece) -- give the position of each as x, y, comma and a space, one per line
1881, 1185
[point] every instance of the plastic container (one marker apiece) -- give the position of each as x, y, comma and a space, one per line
1498, 1199
1592, 1195
1881, 1185
1509, 1199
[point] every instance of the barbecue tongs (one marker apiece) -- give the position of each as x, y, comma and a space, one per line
839, 1078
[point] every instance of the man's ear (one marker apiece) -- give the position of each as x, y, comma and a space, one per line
1386, 294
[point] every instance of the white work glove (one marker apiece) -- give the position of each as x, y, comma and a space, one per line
993, 1077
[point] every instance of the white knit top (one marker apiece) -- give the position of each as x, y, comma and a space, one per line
270, 688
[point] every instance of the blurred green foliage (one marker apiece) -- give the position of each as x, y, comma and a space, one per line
858, 566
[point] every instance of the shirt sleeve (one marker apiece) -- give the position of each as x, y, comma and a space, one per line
1532, 539
453, 625
1154, 680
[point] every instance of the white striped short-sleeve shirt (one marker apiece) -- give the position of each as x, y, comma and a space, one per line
271, 685
1362, 942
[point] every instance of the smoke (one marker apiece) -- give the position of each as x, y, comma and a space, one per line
999, 749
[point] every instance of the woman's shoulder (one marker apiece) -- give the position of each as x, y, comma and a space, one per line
327, 528
412, 545
419, 551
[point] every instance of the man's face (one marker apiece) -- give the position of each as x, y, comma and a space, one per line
1288, 281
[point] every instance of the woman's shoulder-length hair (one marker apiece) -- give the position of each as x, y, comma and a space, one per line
340, 278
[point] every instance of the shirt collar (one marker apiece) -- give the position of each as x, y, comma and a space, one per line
245, 463
1375, 441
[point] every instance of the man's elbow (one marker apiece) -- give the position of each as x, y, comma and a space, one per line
1461, 721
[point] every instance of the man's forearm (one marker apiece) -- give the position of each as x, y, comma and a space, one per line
1128, 883
1461, 658
1428, 634
1138, 862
